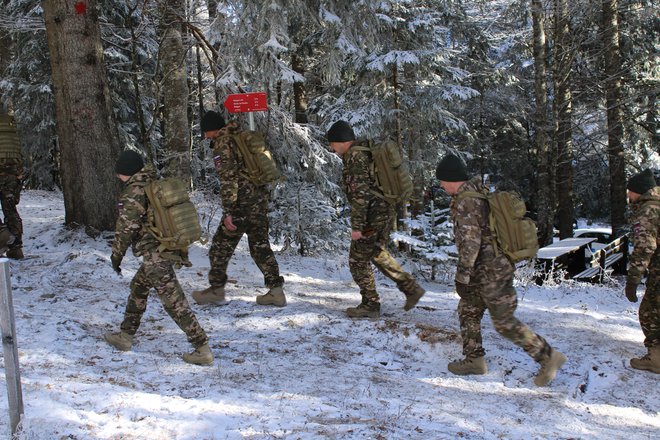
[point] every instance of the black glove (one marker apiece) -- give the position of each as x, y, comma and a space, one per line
462, 289
116, 262
631, 292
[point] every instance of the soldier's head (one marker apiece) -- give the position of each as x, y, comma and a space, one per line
129, 163
212, 123
340, 137
639, 184
452, 173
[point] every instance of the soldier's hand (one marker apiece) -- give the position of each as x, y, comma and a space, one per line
116, 262
462, 289
631, 292
228, 221
356, 235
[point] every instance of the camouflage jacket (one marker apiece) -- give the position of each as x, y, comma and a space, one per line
131, 228
237, 192
360, 188
646, 232
478, 260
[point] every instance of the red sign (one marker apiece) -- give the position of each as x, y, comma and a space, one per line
246, 102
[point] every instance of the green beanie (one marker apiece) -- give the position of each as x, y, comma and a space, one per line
340, 131
451, 169
642, 182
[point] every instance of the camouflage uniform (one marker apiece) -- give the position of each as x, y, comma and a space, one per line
157, 267
374, 217
489, 275
646, 255
11, 173
247, 204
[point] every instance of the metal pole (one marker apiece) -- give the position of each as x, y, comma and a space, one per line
9, 345
251, 121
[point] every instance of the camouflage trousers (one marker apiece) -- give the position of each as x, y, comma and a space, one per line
10, 193
649, 309
158, 273
500, 299
372, 249
225, 242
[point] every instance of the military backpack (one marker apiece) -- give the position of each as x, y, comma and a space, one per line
390, 170
513, 233
173, 218
260, 165
10, 146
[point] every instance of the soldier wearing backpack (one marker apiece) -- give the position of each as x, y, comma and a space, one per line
644, 196
156, 271
11, 175
484, 279
245, 198
372, 216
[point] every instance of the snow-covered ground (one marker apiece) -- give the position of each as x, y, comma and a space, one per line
305, 371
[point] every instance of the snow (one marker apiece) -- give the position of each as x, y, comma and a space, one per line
305, 371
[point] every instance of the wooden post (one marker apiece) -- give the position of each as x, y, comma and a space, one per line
8, 327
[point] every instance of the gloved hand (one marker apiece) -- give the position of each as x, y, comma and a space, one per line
462, 289
116, 262
631, 292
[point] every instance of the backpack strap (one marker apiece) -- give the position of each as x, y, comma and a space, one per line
482, 196
372, 169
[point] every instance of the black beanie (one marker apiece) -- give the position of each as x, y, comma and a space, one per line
451, 169
212, 121
340, 132
642, 182
129, 163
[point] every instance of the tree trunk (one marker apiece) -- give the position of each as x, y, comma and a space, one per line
614, 117
545, 196
175, 92
88, 136
299, 91
563, 58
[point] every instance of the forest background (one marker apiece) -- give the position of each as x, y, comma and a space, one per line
554, 99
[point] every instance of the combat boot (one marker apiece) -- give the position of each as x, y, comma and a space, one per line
364, 310
201, 356
15, 253
413, 298
468, 366
120, 340
649, 362
274, 297
210, 295
549, 368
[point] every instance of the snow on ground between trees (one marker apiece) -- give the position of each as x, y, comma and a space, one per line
305, 371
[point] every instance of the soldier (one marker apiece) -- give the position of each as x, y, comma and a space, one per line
371, 223
644, 196
245, 211
157, 266
11, 176
484, 280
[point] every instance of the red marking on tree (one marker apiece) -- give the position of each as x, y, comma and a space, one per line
81, 8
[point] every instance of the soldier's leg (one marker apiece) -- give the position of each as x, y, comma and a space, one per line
161, 274
471, 310
649, 311
9, 197
261, 252
359, 262
501, 299
137, 302
222, 248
